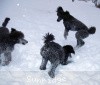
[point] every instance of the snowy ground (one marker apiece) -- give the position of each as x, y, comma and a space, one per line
37, 17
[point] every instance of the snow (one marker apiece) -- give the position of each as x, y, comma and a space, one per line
37, 17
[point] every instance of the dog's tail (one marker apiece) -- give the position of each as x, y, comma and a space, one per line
68, 49
4, 24
48, 38
92, 30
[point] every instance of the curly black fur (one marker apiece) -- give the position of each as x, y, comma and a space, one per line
73, 24
54, 53
68, 49
48, 38
7, 42
91, 30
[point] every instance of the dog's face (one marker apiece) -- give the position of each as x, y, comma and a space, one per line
59, 17
61, 14
18, 36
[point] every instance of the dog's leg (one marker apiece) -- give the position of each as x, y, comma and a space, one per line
79, 37
43, 64
53, 68
65, 33
70, 55
65, 59
80, 43
0, 59
7, 58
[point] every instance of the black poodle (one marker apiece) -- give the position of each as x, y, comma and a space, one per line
73, 24
54, 53
8, 40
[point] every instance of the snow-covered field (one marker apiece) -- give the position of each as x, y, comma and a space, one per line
37, 17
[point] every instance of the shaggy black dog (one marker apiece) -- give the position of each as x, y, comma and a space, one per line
54, 53
8, 40
73, 24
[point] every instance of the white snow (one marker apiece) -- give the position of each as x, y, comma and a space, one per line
37, 17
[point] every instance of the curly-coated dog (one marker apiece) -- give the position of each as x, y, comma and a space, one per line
73, 24
54, 53
8, 40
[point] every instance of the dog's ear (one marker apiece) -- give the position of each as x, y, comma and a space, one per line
60, 9
67, 15
13, 30
67, 12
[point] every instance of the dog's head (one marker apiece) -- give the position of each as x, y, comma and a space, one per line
17, 36
68, 49
61, 14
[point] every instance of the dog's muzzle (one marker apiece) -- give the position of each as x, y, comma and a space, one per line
58, 20
23, 41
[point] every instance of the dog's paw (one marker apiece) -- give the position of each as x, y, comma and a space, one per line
51, 74
0, 61
65, 37
80, 45
42, 68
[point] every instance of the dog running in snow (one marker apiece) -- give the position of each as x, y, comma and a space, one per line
72, 24
55, 53
8, 41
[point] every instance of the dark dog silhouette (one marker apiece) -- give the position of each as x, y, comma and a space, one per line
8, 41
73, 24
3, 29
54, 53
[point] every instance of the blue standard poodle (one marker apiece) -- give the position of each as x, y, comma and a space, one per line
73, 24
54, 53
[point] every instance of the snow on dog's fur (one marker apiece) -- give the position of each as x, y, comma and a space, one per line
73, 24
8, 40
54, 53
